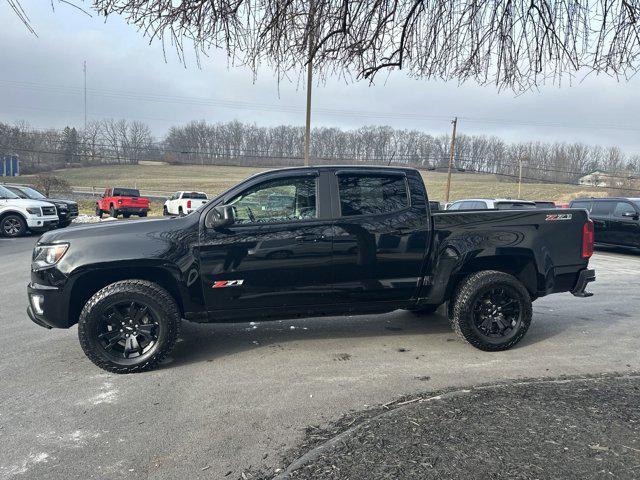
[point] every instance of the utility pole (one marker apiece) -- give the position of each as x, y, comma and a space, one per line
307, 127
84, 70
520, 179
451, 155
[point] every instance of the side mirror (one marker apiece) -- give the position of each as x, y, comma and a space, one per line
221, 216
632, 215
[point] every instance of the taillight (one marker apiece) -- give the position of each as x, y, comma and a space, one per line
587, 239
188, 203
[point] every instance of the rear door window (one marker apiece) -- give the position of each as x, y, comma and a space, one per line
362, 194
602, 209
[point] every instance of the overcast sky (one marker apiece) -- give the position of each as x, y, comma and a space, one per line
41, 82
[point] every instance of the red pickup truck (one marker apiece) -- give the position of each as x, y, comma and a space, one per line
125, 201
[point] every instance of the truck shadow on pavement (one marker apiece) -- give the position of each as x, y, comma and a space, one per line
207, 342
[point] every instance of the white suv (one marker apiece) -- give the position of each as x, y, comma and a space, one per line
183, 203
17, 215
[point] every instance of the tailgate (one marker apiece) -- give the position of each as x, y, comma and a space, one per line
140, 202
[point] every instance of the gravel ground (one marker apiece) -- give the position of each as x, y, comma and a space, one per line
565, 428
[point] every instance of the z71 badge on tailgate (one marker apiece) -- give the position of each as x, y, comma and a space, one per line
553, 217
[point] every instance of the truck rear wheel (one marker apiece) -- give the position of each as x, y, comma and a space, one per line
491, 310
129, 326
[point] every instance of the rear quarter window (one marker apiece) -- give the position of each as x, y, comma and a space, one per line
362, 194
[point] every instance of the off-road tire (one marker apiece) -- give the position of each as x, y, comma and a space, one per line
165, 211
180, 212
13, 226
153, 295
126, 215
98, 211
461, 309
113, 212
143, 214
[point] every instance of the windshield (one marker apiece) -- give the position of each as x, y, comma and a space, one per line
32, 193
6, 193
636, 201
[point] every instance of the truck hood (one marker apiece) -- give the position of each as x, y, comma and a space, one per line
23, 203
117, 230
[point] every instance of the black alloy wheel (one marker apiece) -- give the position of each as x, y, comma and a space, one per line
497, 312
128, 330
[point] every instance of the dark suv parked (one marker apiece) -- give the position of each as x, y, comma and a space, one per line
67, 210
616, 220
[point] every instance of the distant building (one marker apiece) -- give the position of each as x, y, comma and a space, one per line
602, 178
9, 166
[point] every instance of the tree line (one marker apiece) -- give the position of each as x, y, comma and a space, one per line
111, 141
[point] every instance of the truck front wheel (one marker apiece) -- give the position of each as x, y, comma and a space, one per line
491, 310
129, 326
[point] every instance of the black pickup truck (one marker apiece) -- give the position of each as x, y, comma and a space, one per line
305, 242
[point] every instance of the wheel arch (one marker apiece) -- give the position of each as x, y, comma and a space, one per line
522, 267
88, 283
7, 212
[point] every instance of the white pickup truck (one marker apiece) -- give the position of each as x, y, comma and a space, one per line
184, 202
17, 215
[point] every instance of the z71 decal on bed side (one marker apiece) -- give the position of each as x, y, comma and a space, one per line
554, 217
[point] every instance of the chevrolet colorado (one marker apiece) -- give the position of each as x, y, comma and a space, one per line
305, 242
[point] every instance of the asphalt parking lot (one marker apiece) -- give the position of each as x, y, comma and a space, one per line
236, 398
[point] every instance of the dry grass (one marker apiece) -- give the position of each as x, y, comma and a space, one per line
213, 180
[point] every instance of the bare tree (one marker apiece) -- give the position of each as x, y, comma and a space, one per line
512, 43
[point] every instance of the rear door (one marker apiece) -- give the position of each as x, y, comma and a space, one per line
624, 229
380, 236
600, 213
278, 251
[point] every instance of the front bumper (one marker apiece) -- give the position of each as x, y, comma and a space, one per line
42, 223
584, 277
51, 305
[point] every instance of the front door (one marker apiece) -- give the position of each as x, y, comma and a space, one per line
624, 225
277, 253
380, 236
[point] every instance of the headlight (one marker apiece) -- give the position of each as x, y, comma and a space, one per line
48, 255
34, 211
61, 206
